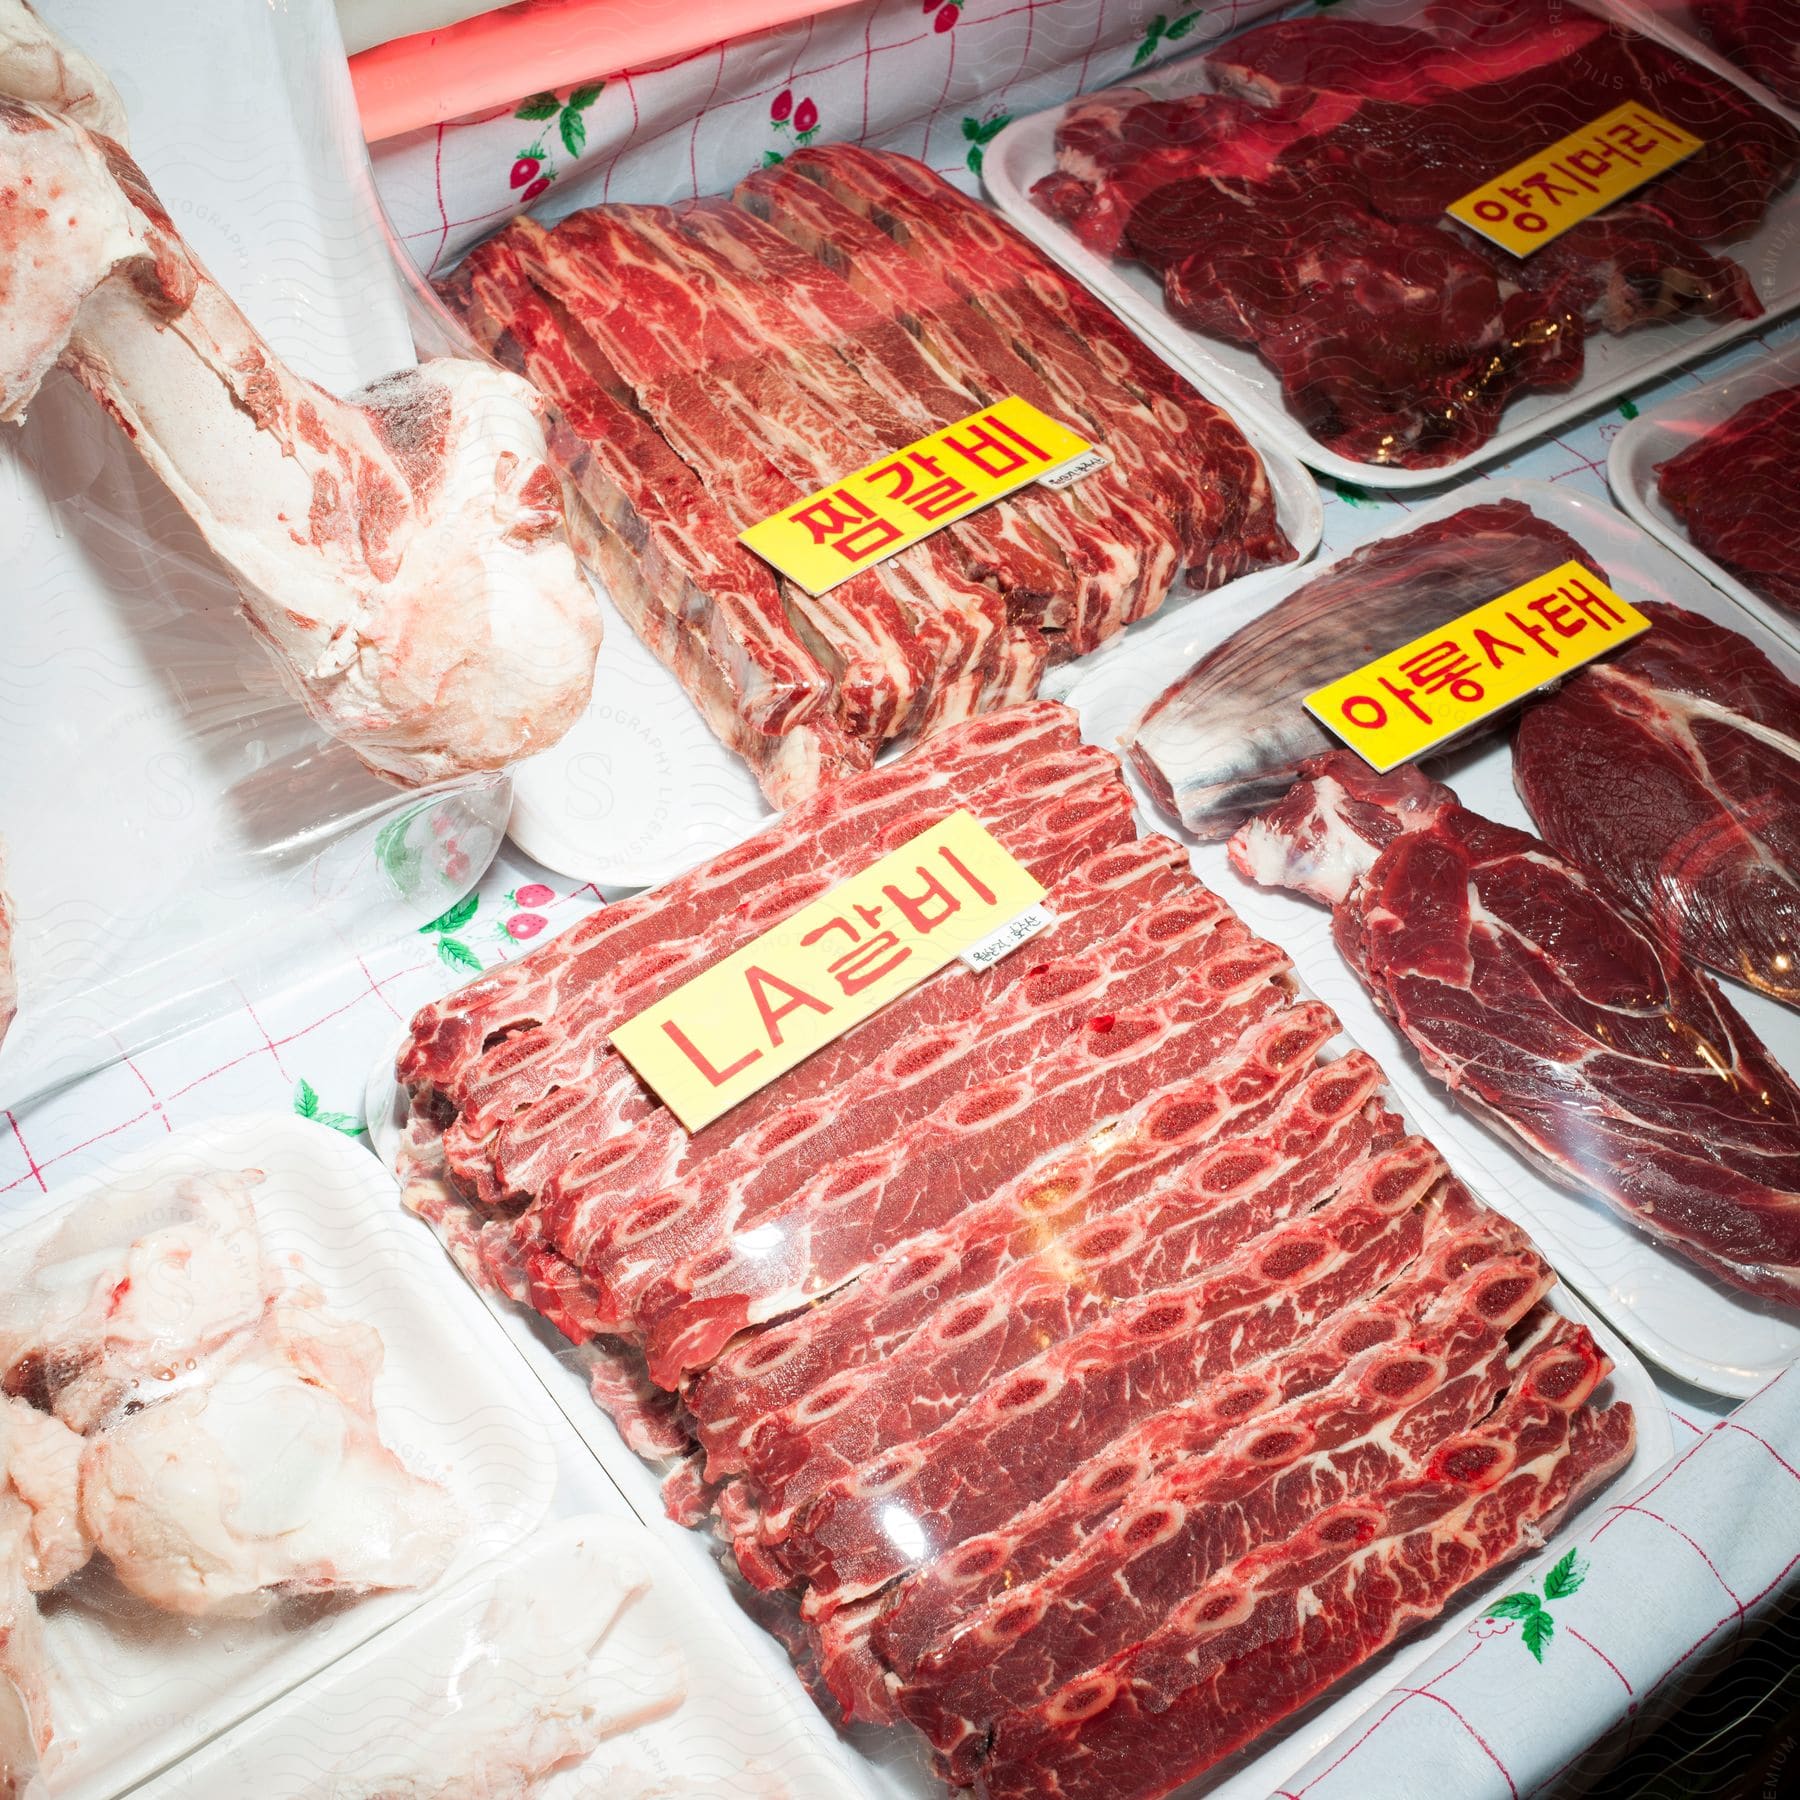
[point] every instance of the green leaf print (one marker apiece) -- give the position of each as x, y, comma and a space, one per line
1569, 1573
460, 914
1628, 409
573, 129
1514, 1606
458, 955
539, 106
306, 1099
1182, 26
584, 97
1152, 37
306, 1104
1537, 1631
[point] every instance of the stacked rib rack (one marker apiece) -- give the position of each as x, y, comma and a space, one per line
1096, 1363
709, 366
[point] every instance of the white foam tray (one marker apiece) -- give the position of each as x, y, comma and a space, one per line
729, 1739
1026, 151
1669, 427
640, 789
1694, 1326
450, 1399
894, 1763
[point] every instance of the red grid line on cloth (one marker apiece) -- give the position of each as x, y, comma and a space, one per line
36, 1173
1512, 1787
143, 1081
1632, 1506
1589, 1642
1756, 1437
271, 1046
694, 127
1374, 1726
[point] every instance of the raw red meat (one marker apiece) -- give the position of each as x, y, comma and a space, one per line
823, 839
1733, 488
1324, 1386
707, 370
1297, 208
853, 1207
1076, 793
1149, 411
1583, 1037
570, 1153
1265, 1481
1013, 1440
956, 1305
807, 1369
1761, 36
1671, 774
1051, 1287
548, 1150
1283, 1622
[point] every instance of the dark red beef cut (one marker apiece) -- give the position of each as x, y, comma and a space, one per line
1561, 1018
1734, 492
1297, 207
1671, 774
1761, 36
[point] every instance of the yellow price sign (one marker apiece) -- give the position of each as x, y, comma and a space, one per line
1417, 698
878, 511
953, 890
1539, 199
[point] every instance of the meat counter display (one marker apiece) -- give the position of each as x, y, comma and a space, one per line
957, 1290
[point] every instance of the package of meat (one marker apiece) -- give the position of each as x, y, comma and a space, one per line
1180, 200
1759, 39
1114, 1231
1707, 469
1707, 1331
181, 833
584, 1663
249, 1421
711, 367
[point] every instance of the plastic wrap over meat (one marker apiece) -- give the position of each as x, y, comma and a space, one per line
709, 366
1294, 205
538, 1683
1671, 774
1762, 37
1041, 1310
1561, 1018
1733, 491
1230, 735
182, 1405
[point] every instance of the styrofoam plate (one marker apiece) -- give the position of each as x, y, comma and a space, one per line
1693, 1325
451, 1400
729, 1739
640, 789
894, 1763
1026, 151
1668, 428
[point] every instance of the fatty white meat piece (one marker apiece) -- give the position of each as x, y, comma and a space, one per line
264, 1484
134, 1295
536, 1688
40, 1495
